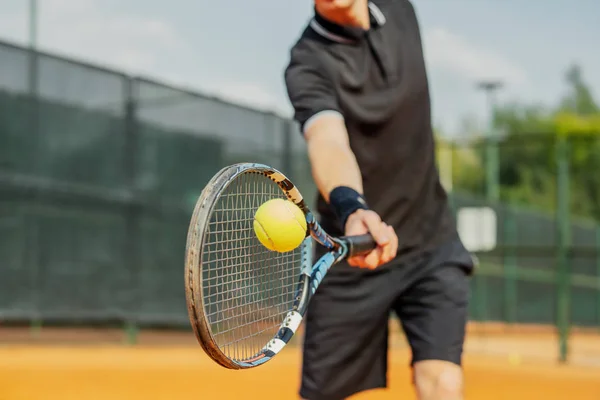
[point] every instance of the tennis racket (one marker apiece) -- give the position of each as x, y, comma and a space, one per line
244, 301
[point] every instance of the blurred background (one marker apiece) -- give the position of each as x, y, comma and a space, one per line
114, 115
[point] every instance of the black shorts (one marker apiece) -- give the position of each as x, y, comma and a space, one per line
346, 325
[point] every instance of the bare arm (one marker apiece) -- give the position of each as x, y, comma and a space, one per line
334, 164
332, 161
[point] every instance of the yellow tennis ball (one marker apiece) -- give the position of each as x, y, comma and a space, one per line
280, 225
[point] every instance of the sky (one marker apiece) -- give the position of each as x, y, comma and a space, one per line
238, 49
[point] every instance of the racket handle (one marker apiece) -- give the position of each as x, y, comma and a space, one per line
360, 244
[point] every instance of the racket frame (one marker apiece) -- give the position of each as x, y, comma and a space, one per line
310, 276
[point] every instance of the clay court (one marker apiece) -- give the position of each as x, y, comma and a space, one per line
501, 363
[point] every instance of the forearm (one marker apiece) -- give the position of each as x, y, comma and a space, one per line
333, 165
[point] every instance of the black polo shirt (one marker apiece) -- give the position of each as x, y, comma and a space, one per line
376, 81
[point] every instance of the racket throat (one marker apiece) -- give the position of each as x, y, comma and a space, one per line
310, 279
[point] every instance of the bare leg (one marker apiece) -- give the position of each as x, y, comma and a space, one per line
438, 380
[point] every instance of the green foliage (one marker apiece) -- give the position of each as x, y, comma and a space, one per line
570, 124
527, 152
523, 119
579, 99
461, 165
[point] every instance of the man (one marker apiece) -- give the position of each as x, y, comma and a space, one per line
358, 84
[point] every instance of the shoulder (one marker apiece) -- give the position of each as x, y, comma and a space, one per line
306, 54
306, 70
308, 83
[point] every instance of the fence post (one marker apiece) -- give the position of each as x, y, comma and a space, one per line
36, 160
510, 267
32, 248
132, 262
563, 230
446, 168
492, 159
598, 274
288, 163
491, 142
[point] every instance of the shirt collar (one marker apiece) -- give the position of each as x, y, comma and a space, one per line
346, 34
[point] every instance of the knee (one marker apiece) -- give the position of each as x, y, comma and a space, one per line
438, 380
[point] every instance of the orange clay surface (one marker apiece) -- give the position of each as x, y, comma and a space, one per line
117, 372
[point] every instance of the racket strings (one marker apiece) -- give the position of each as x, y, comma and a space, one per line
247, 289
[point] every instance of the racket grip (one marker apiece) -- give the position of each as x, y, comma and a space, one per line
360, 244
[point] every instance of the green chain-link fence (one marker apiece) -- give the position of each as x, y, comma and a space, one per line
544, 267
99, 173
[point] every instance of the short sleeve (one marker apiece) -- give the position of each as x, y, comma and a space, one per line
310, 91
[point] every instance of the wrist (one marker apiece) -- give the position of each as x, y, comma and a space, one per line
344, 201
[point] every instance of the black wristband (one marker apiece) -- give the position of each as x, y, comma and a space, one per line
344, 201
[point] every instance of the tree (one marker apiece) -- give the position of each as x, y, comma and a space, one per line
528, 151
460, 167
579, 99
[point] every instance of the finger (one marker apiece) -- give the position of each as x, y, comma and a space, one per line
390, 249
377, 229
373, 259
357, 261
394, 250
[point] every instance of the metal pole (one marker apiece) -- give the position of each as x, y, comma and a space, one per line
287, 128
449, 173
33, 238
563, 275
598, 274
33, 24
491, 148
510, 267
33, 42
132, 215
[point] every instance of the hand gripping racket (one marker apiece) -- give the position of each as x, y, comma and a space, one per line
245, 302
